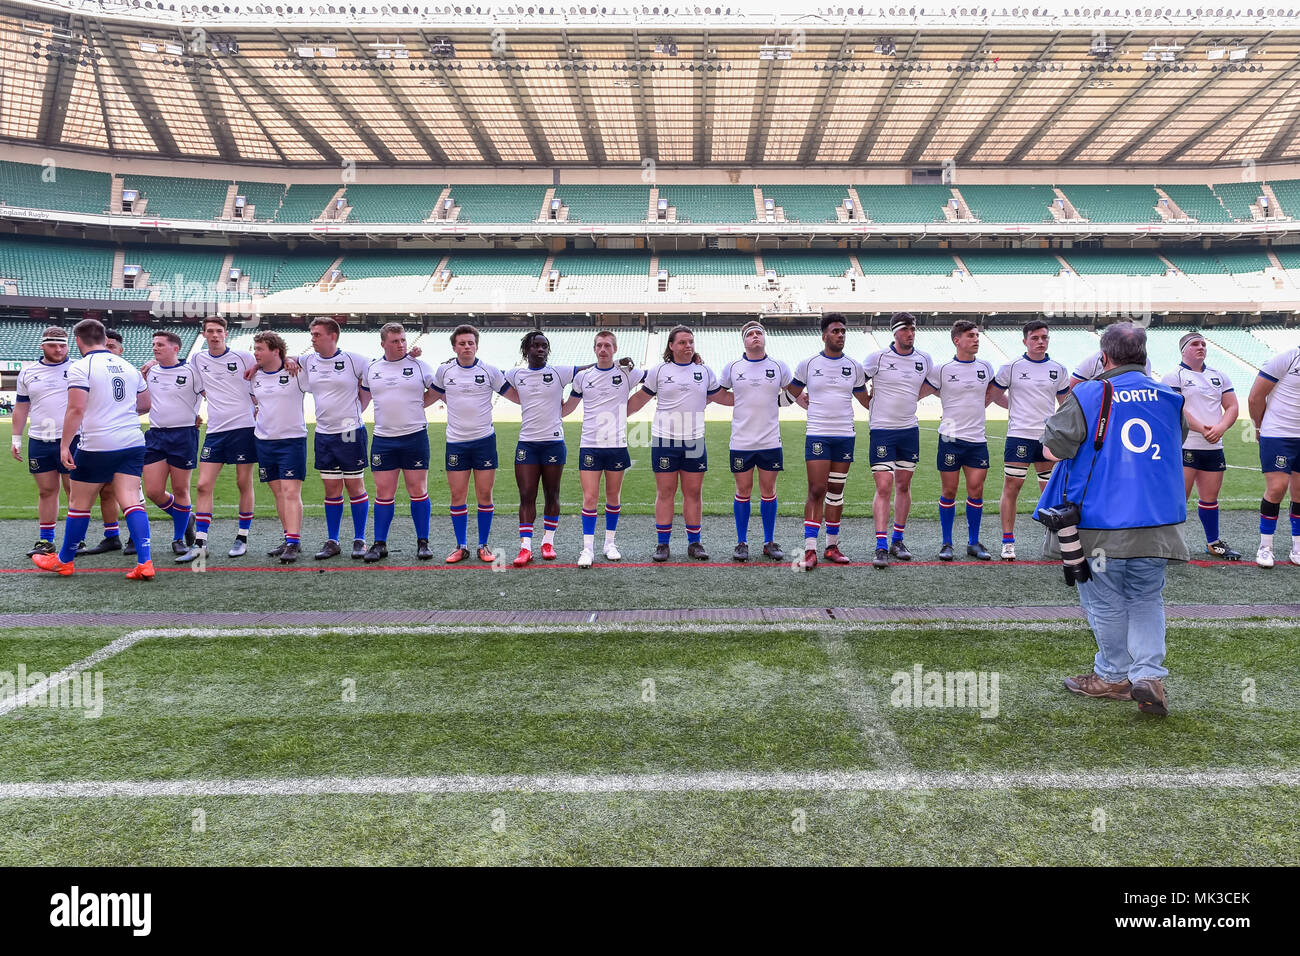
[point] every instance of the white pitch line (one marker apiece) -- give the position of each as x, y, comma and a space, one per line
489, 629
863, 704
720, 782
54, 680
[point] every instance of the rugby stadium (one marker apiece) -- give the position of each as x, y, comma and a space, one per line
634, 169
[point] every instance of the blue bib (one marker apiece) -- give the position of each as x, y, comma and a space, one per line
1137, 477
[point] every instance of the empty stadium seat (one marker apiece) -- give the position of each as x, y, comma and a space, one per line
1200, 202
710, 203
391, 202
605, 203
904, 203
498, 203
177, 197
806, 203
1009, 203
1114, 203
38, 187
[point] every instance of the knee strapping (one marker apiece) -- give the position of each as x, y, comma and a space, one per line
1016, 471
905, 465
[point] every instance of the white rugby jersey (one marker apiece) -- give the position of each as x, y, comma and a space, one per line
962, 386
1091, 367
681, 393
397, 395
111, 384
333, 385
1202, 393
45, 387
896, 381
225, 388
831, 383
604, 393
1282, 414
1032, 388
175, 393
541, 398
468, 394
279, 404
756, 384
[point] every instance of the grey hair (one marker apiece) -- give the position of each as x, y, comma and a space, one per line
1125, 344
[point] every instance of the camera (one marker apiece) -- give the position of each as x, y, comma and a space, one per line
1063, 519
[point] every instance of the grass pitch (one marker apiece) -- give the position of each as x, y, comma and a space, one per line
273, 706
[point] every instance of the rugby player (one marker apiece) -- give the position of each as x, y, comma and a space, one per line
1030, 388
896, 376
965, 387
112, 539
682, 385
1274, 406
171, 449
400, 386
335, 379
106, 396
833, 381
42, 403
758, 385
603, 390
280, 431
466, 386
541, 453
229, 437
1210, 407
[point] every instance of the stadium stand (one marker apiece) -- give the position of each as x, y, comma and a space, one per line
1276, 339
303, 203
70, 190
1195, 262
378, 265
137, 340
1237, 198
299, 270
392, 203
1199, 202
710, 203
904, 204
1010, 261
1114, 262
177, 267
1288, 256
20, 340
1287, 192
570, 346
605, 203
58, 269
1241, 343
179, 198
806, 203
807, 263
885, 263
1009, 203
265, 198
497, 203
1114, 203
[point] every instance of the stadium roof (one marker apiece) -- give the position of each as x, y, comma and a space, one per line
443, 85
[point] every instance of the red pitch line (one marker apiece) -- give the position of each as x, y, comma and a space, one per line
610, 565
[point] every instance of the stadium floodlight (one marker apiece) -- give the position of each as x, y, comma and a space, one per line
328, 51
1215, 53
173, 49
306, 52
1238, 54
148, 47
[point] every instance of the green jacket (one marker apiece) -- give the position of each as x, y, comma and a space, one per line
1066, 431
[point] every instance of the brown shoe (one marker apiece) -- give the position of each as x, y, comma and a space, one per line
1090, 685
835, 555
1150, 695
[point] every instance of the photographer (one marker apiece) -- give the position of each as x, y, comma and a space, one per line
1114, 510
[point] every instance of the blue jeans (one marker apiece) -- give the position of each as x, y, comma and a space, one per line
1125, 605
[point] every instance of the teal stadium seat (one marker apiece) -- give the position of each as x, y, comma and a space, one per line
1199, 202
395, 202
498, 203
1009, 262
1009, 203
904, 203
71, 190
175, 197
710, 203
806, 203
1114, 203
605, 203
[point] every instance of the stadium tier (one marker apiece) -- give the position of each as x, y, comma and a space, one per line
72, 190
